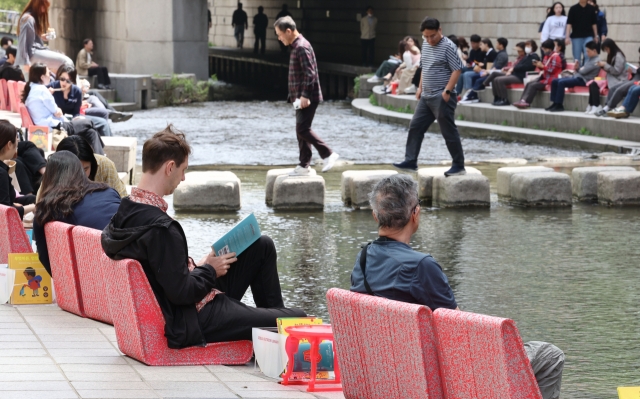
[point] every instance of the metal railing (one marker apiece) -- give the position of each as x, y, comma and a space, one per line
9, 21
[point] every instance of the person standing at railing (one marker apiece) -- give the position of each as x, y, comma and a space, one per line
33, 29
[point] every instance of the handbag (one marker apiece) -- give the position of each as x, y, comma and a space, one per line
58, 136
532, 76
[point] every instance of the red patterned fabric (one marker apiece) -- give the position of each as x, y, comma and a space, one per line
482, 357
139, 323
91, 275
147, 197
20, 85
63, 267
386, 349
25, 116
4, 96
13, 238
13, 99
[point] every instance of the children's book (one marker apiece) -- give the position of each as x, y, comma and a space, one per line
284, 322
40, 136
239, 238
629, 392
32, 284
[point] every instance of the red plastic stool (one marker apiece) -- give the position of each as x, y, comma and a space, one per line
314, 334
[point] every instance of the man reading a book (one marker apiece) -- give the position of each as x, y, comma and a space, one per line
200, 301
390, 268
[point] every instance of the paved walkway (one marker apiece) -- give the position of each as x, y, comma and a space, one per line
46, 352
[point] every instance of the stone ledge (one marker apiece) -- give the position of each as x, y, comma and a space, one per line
272, 175
584, 180
541, 189
298, 192
366, 180
504, 177
426, 175
461, 191
619, 188
208, 191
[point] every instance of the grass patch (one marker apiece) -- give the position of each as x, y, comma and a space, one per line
373, 100
460, 117
405, 110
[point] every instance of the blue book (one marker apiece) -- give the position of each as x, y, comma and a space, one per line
239, 238
30, 235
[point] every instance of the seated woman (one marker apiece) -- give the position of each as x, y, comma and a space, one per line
388, 67
69, 196
618, 93
410, 63
8, 148
616, 67
527, 54
629, 105
551, 67
30, 167
470, 77
68, 98
44, 111
587, 72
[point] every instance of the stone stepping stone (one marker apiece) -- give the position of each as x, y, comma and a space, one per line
122, 151
504, 176
208, 191
541, 189
461, 191
356, 185
426, 175
298, 192
619, 188
584, 180
272, 175
507, 161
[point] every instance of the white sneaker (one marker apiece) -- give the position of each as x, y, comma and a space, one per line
411, 90
330, 161
300, 171
595, 110
374, 79
588, 111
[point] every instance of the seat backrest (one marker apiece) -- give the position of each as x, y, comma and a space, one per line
482, 357
20, 85
64, 267
4, 99
27, 122
90, 265
137, 317
13, 99
386, 349
13, 237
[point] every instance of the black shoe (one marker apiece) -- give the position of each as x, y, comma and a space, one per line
550, 106
502, 102
101, 86
116, 116
455, 171
407, 165
557, 108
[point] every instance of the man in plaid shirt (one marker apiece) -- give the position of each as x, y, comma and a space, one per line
305, 94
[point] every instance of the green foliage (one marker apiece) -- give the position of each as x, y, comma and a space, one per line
405, 110
185, 91
460, 117
356, 86
373, 100
14, 5
214, 77
505, 123
585, 131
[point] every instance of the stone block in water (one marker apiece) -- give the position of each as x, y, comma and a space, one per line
504, 176
208, 191
122, 151
584, 181
272, 174
460, 191
619, 188
360, 191
298, 192
426, 175
541, 189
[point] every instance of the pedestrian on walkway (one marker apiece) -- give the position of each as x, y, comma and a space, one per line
260, 23
240, 23
283, 13
581, 28
305, 93
368, 25
437, 98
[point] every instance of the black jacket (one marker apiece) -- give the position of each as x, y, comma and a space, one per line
147, 234
11, 72
7, 193
525, 65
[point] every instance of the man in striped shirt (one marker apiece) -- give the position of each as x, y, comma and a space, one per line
437, 98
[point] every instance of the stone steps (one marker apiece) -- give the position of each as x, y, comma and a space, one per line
124, 107
109, 95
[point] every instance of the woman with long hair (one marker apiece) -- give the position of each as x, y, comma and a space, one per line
388, 67
33, 30
44, 111
616, 67
516, 74
555, 26
70, 197
463, 49
8, 150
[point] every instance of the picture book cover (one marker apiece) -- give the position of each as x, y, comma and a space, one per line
284, 322
629, 392
239, 238
40, 136
32, 284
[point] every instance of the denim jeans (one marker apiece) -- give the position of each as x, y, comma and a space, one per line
479, 83
460, 79
469, 78
427, 111
631, 101
578, 48
558, 86
238, 33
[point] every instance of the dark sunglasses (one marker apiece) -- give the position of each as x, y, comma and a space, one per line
65, 80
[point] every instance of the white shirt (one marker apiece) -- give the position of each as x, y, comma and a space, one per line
554, 28
42, 106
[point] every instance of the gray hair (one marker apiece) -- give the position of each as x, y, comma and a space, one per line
285, 23
393, 200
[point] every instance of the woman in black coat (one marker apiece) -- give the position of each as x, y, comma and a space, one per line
8, 150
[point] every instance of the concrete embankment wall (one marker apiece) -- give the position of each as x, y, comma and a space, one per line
337, 36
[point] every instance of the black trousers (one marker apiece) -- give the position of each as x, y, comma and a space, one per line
307, 137
416, 77
102, 73
261, 37
368, 51
594, 94
85, 129
226, 318
28, 164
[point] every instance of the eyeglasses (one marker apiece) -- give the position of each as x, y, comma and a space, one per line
65, 80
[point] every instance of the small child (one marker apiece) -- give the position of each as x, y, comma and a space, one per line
33, 281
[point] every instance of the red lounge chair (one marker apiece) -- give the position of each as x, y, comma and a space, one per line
4, 96
63, 266
20, 85
139, 323
13, 238
25, 116
386, 349
482, 357
91, 275
13, 99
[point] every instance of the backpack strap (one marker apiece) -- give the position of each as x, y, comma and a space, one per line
363, 267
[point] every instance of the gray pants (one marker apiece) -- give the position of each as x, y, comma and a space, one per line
51, 59
239, 35
618, 93
499, 85
547, 362
429, 110
530, 91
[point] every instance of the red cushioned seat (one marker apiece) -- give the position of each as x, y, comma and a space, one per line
515, 86
27, 122
91, 276
20, 85
482, 357
13, 99
13, 238
139, 323
4, 96
386, 349
63, 267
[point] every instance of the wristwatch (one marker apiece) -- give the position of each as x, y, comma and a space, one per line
448, 92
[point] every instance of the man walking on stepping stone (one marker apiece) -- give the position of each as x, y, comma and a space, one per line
305, 94
437, 98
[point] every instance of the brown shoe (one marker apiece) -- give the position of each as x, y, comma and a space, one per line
618, 113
